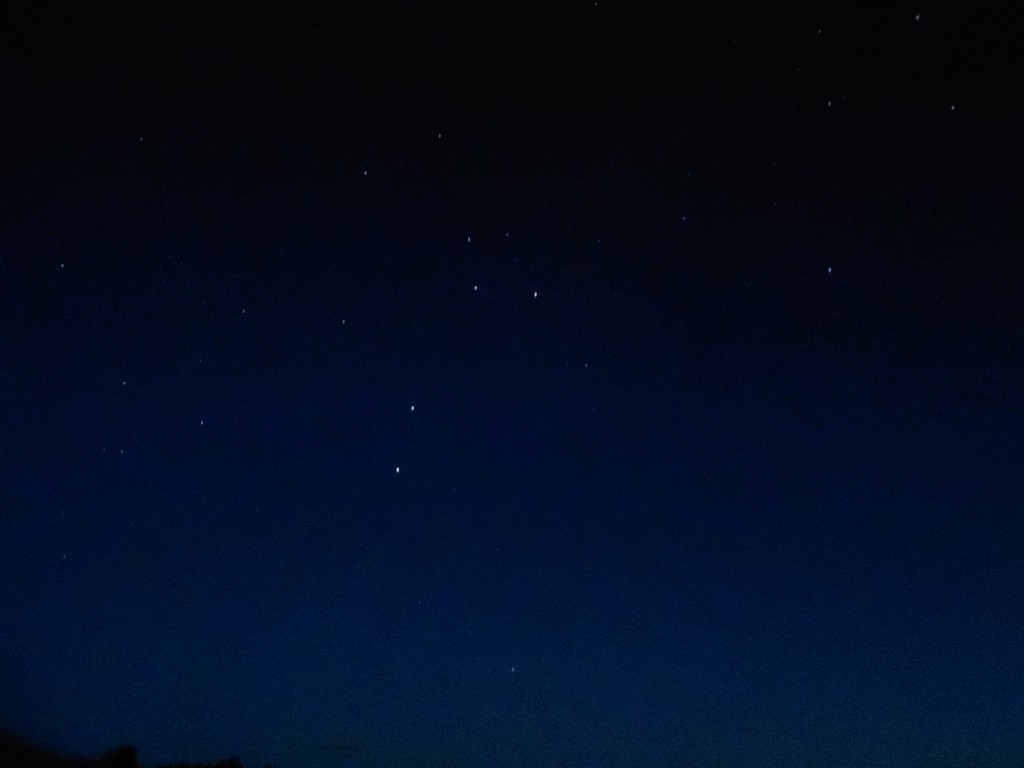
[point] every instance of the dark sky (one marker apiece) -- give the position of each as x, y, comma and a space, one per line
513, 385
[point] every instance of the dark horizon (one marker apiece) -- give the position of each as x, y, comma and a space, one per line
584, 385
18, 751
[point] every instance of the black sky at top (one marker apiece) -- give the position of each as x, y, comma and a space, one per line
618, 113
575, 119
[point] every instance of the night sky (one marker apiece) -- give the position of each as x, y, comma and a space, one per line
530, 385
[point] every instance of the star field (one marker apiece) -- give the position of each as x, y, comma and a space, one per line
584, 385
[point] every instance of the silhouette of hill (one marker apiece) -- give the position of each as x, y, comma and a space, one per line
16, 751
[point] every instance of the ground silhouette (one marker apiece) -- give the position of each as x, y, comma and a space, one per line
17, 751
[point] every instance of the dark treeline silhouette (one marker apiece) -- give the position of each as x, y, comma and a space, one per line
16, 751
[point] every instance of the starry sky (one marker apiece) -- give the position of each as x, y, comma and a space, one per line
534, 385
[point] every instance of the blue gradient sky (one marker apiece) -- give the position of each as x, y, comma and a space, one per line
588, 387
